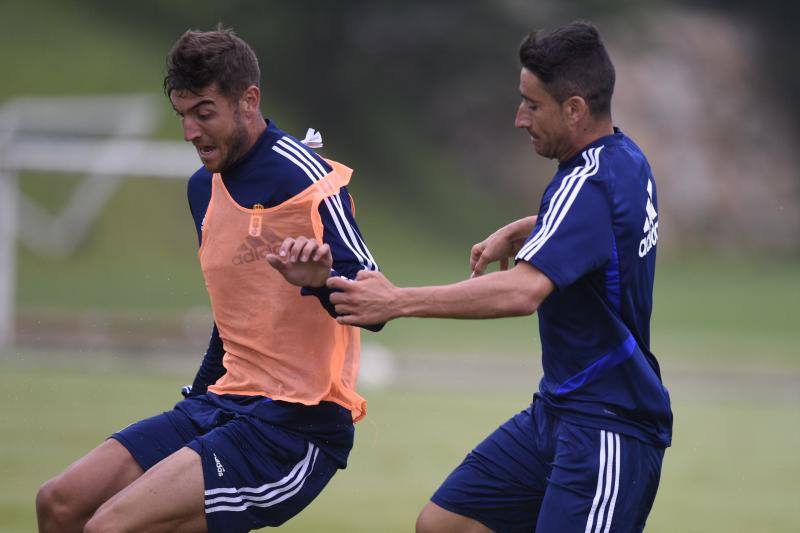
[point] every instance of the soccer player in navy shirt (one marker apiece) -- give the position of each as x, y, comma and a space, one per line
586, 455
270, 417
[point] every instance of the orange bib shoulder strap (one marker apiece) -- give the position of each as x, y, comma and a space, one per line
340, 175
328, 185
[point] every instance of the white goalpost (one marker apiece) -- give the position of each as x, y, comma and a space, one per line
105, 139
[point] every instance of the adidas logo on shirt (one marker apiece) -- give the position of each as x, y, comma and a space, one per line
650, 224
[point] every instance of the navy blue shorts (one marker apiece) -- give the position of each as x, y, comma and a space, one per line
540, 473
256, 474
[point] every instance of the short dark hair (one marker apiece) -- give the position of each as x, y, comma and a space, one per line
199, 59
571, 61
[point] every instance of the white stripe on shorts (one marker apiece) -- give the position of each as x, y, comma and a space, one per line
607, 484
262, 496
616, 484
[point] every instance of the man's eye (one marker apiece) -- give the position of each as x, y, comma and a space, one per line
204, 116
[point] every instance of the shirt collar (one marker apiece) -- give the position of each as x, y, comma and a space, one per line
578, 158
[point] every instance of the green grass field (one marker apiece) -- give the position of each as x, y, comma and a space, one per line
733, 467
725, 329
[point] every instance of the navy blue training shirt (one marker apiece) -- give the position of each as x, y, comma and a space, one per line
595, 238
276, 168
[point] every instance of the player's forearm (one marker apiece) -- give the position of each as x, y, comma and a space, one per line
500, 294
516, 233
520, 229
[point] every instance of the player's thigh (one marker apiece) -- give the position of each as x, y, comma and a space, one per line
153, 439
87, 483
435, 519
501, 483
601, 482
74, 495
168, 497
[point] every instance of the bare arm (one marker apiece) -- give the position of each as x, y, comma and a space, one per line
372, 298
500, 245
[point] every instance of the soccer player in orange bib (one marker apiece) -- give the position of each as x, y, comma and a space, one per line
270, 416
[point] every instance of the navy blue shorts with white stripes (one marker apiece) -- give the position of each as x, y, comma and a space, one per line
540, 473
256, 474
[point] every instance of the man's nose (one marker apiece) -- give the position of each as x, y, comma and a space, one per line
190, 130
522, 120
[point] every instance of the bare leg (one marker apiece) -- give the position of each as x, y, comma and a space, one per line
434, 519
65, 503
169, 497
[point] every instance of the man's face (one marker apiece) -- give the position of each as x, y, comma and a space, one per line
213, 124
543, 117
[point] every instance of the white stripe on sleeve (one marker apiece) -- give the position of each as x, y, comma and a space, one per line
570, 187
337, 201
311, 175
306, 153
346, 232
553, 207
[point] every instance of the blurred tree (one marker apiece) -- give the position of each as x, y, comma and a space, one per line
776, 23
422, 96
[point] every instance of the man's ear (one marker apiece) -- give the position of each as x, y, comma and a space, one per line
575, 109
251, 100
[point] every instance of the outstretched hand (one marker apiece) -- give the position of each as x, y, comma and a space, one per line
303, 262
366, 300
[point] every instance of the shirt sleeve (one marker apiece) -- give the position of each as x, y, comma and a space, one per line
573, 234
198, 192
350, 252
341, 233
211, 369
348, 248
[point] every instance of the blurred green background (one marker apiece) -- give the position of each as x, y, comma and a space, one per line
419, 98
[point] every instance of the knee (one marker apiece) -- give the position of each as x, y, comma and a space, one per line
434, 519
426, 521
55, 507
